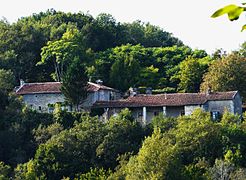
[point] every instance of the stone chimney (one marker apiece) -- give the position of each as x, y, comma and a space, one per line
22, 82
133, 91
99, 81
148, 91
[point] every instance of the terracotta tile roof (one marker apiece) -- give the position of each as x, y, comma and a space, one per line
39, 88
176, 99
54, 87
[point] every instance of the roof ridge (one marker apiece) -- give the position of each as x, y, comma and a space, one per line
95, 84
43, 82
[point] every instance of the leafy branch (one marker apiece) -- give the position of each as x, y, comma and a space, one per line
233, 11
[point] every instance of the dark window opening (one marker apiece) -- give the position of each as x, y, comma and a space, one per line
215, 115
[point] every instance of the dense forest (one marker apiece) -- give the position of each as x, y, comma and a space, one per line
49, 46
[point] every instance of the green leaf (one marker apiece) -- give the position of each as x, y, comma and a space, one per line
243, 28
232, 10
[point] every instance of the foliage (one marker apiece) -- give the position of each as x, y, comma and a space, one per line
74, 84
26, 171
163, 123
99, 174
190, 74
233, 11
135, 65
43, 133
226, 75
147, 165
5, 171
185, 151
123, 135
61, 52
6, 81
221, 169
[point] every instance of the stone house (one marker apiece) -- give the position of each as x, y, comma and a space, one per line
145, 106
43, 96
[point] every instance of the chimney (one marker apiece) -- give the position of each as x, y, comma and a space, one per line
148, 91
22, 82
133, 91
99, 81
208, 91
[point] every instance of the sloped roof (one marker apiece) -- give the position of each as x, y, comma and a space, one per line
92, 87
175, 99
54, 87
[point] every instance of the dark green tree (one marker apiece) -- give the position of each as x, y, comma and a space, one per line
74, 83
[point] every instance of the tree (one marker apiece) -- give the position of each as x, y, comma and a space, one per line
6, 81
157, 159
125, 70
5, 171
71, 151
190, 75
226, 75
233, 11
74, 83
61, 52
42, 133
123, 135
6, 85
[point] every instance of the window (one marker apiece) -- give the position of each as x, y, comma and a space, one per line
215, 115
39, 108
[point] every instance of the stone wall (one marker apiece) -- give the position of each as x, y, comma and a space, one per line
220, 106
189, 109
174, 111
40, 101
101, 95
237, 104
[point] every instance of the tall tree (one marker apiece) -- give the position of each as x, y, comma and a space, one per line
190, 75
6, 85
74, 83
226, 74
60, 52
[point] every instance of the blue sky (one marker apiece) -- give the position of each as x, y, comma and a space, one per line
188, 20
